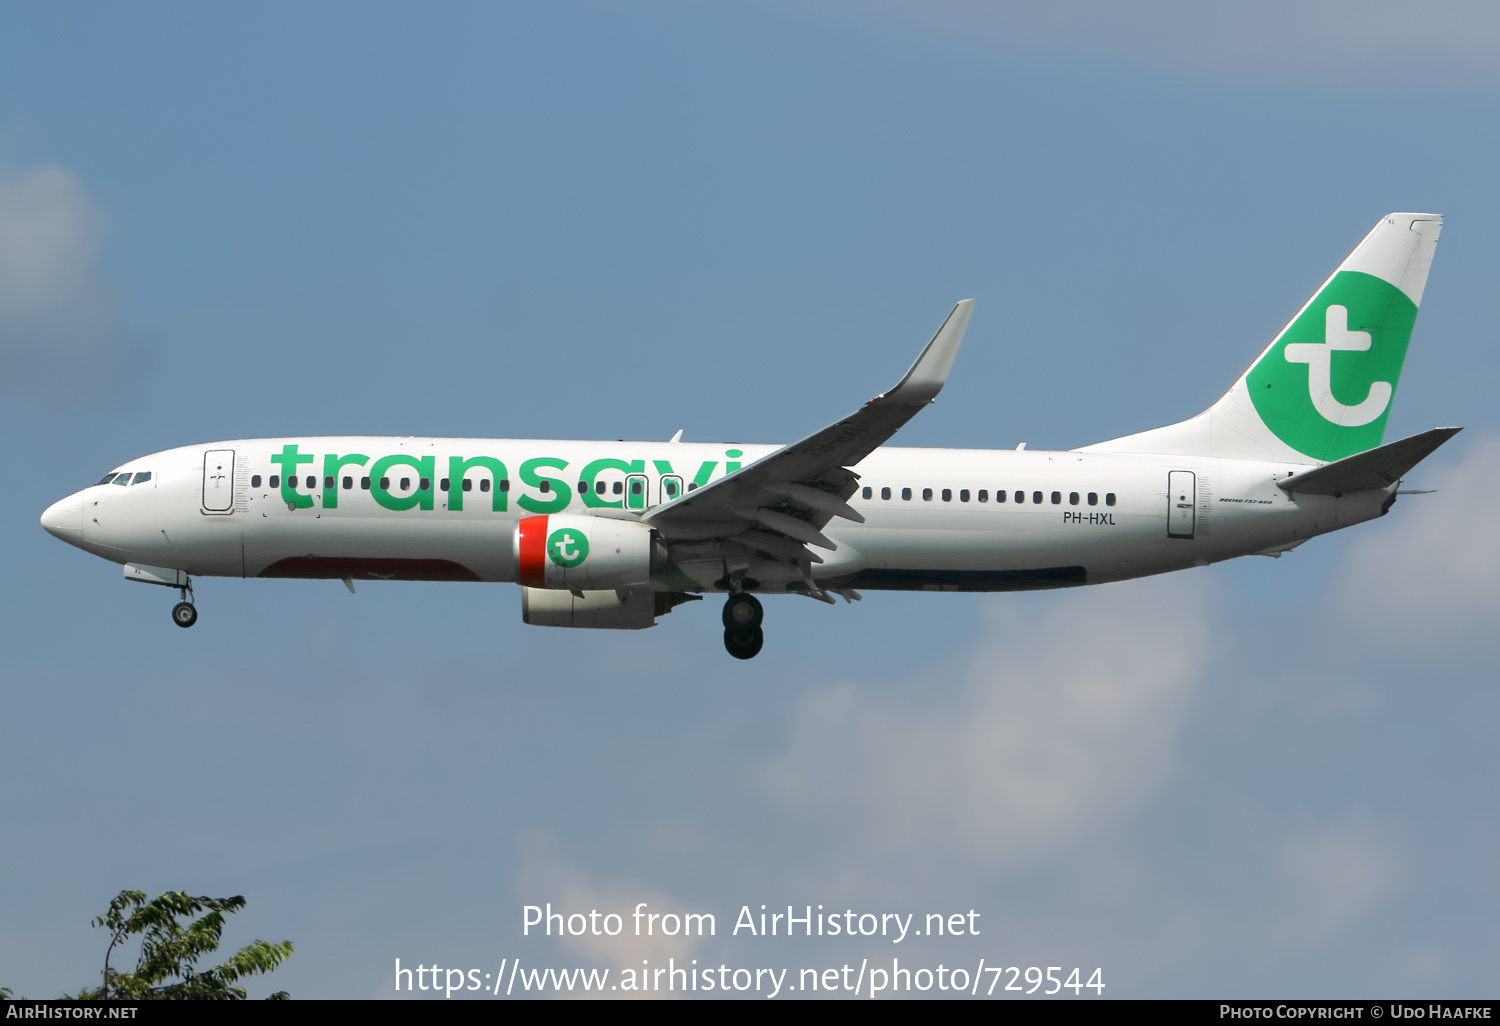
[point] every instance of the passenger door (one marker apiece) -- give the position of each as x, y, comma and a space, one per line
218, 480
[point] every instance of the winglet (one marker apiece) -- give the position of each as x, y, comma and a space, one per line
925, 379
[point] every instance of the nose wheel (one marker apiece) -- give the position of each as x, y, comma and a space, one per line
184, 613
742, 618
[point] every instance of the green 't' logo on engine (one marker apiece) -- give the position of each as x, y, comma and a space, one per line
1325, 388
567, 547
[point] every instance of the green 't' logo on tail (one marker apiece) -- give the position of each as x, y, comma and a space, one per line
1325, 387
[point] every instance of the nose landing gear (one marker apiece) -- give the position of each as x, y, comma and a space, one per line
742, 618
184, 613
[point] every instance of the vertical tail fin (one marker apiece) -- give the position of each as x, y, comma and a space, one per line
1322, 389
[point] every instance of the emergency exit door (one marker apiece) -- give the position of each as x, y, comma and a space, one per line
637, 491
1182, 503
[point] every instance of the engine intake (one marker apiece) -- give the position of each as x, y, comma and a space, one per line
579, 553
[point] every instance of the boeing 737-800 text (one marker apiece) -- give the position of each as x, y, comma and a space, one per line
616, 534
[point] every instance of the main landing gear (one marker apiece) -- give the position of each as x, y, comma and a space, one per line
742, 634
184, 613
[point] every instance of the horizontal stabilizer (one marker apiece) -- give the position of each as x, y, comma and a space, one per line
1366, 471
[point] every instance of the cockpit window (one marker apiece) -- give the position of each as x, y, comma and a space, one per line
108, 478
123, 479
142, 477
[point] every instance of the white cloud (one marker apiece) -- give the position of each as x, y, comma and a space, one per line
55, 303
544, 876
1335, 874
1421, 968
1387, 43
1055, 728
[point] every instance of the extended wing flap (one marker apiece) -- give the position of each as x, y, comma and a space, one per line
1375, 468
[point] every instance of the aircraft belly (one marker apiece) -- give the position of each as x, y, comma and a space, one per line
934, 579
1019, 543
954, 559
379, 548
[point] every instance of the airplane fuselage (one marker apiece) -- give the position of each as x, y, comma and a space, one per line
376, 508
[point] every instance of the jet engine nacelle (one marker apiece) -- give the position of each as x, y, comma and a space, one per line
577, 553
612, 610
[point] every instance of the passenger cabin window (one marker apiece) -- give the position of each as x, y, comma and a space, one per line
692, 486
868, 493
425, 484
1056, 498
364, 483
619, 488
885, 493
984, 495
484, 485
504, 485
275, 481
468, 485
1093, 498
385, 483
544, 487
327, 482
635, 487
1072, 498
926, 494
1109, 498
348, 483
963, 495
906, 494
671, 488
1021, 496
312, 482
405, 483
254, 480
443, 484
947, 494
583, 487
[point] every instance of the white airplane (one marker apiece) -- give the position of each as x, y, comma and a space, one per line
616, 534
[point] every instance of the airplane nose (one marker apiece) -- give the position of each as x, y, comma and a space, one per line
64, 519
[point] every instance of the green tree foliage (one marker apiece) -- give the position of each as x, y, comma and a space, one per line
167, 967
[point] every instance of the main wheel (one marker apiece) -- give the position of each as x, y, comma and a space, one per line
743, 611
184, 614
743, 642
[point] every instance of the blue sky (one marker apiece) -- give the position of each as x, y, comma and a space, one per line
610, 221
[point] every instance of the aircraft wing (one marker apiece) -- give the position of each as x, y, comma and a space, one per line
778, 504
